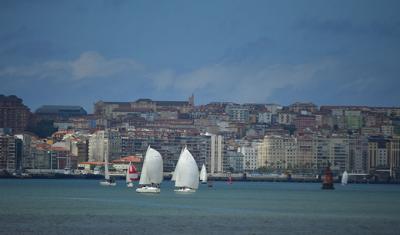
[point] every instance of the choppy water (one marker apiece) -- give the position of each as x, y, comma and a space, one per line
84, 207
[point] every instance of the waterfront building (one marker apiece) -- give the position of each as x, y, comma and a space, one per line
394, 157
331, 150
277, 152
26, 159
217, 154
98, 146
169, 142
8, 156
114, 144
250, 156
61, 157
378, 153
82, 150
41, 155
13, 114
358, 154
305, 151
234, 162
339, 152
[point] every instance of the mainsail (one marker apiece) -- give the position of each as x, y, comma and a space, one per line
152, 170
203, 174
345, 177
186, 172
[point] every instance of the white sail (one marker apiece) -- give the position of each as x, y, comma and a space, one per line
203, 174
152, 170
106, 173
345, 177
187, 172
176, 167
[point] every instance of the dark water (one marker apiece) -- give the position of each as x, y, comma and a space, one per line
84, 207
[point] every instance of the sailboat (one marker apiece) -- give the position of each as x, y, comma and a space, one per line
203, 175
107, 180
229, 180
186, 173
131, 175
345, 178
152, 172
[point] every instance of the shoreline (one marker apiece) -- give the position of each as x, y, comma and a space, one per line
210, 178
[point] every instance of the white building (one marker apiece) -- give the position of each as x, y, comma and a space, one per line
250, 156
98, 146
264, 117
216, 157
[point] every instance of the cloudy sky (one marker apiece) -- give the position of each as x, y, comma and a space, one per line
78, 52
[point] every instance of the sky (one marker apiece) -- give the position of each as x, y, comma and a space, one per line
73, 52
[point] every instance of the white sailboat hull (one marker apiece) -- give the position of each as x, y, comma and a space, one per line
129, 185
185, 190
148, 189
106, 183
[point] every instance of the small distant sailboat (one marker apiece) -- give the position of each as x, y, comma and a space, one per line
108, 181
345, 178
203, 174
186, 174
229, 180
152, 172
131, 175
327, 182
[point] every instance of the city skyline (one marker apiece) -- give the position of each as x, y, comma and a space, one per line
76, 53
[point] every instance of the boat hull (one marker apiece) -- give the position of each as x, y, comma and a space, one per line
185, 190
105, 183
148, 190
129, 185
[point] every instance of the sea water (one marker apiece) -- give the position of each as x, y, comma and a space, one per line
55, 206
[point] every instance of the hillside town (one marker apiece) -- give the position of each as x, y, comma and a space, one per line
300, 139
